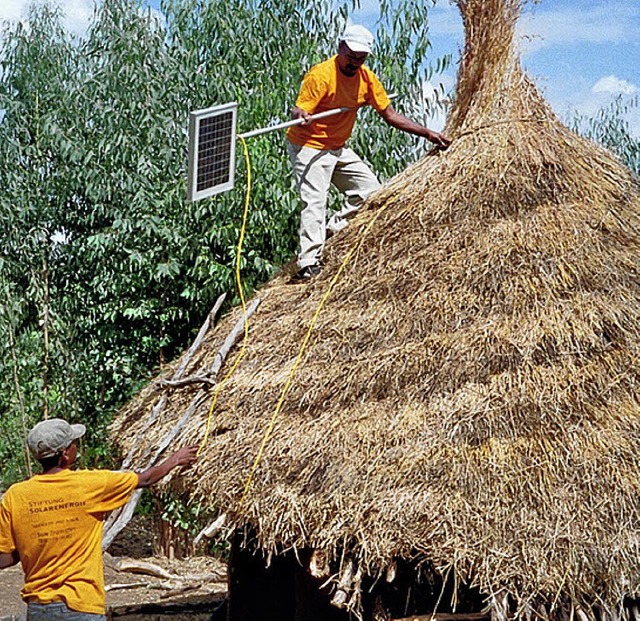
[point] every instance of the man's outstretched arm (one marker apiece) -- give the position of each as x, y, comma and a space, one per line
401, 122
182, 457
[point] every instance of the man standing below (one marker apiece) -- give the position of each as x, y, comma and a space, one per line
52, 523
317, 148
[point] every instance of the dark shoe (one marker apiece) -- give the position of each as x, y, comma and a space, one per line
306, 273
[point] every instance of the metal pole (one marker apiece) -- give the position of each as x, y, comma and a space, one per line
272, 128
285, 124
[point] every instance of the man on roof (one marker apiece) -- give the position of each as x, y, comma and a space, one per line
52, 523
317, 149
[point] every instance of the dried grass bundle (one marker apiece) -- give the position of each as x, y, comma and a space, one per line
470, 391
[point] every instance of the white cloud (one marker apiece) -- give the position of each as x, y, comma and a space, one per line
12, 9
599, 95
611, 84
615, 22
77, 13
589, 104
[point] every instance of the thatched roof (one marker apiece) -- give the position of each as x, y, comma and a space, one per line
470, 388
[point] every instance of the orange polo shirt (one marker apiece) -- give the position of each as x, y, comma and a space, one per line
325, 87
54, 521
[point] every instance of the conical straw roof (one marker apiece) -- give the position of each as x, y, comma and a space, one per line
469, 390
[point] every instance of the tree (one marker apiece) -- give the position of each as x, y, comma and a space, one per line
106, 268
34, 95
610, 128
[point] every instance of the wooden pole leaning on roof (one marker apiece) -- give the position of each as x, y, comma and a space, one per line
121, 517
160, 405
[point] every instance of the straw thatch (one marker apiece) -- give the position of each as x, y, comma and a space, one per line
469, 393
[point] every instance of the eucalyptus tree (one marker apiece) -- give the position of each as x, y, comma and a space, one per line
106, 268
38, 62
126, 235
610, 128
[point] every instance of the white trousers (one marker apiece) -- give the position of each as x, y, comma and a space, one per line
314, 170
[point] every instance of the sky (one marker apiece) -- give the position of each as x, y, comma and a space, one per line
581, 53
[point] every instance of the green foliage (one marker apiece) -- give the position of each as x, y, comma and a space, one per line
179, 513
610, 128
34, 94
106, 271
188, 519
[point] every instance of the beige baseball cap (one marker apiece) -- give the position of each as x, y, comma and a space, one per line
50, 437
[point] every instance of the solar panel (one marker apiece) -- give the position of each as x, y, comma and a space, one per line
212, 151
212, 147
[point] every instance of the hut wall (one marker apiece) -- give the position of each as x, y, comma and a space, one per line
286, 591
281, 591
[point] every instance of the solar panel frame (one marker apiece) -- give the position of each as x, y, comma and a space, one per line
212, 151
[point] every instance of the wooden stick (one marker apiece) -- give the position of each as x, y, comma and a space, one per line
391, 572
218, 361
231, 339
138, 566
500, 607
356, 591
188, 381
339, 599
319, 564
211, 529
441, 616
200, 337
179, 590
160, 405
121, 517
126, 585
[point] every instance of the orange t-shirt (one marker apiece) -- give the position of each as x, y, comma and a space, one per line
54, 521
325, 87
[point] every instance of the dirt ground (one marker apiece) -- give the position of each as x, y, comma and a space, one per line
152, 587
144, 591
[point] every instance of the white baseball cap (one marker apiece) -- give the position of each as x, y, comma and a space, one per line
358, 38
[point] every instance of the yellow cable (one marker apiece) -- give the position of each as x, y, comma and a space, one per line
242, 300
305, 341
303, 346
